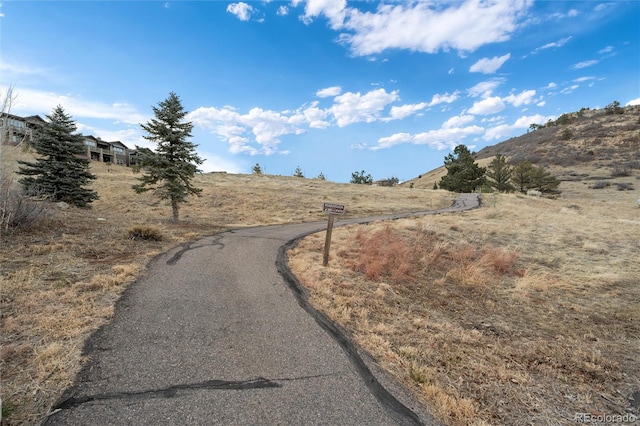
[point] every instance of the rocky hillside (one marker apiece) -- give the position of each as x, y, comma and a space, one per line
598, 137
588, 144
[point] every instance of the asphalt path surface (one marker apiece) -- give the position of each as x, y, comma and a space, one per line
219, 332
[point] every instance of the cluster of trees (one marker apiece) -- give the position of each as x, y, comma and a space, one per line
61, 174
564, 119
465, 175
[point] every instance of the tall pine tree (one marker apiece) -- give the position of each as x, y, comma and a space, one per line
170, 169
463, 173
499, 174
59, 174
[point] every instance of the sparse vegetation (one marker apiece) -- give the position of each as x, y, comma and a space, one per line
70, 270
361, 178
614, 108
145, 232
298, 172
489, 324
470, 314
625, 186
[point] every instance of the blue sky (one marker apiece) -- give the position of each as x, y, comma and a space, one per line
328, 85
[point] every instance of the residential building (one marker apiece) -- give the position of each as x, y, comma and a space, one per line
17, 130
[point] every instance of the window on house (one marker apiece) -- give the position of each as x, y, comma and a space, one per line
118, 150
90, 143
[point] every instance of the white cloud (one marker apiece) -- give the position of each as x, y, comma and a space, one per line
604, 50
389, 141
352, 107
444, 138
583, 79
504, 130
329, 91
283, 11
487, 106
215, 163
551, 85
585, 64
485, 89
260, 131
569, 89
423, 27
334, 10
444, 99
457, 121
403, 111
15, 69
633, 102
489, 66
39, 102
554, 44
241, 10
523, 98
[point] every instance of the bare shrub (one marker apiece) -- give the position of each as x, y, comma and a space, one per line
620, 172
600, 184
145, 233
625, 186
16, 209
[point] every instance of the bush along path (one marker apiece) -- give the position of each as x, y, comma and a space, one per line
212, 335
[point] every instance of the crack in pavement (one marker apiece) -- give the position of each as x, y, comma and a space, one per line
172, 391
169, 392
176, 257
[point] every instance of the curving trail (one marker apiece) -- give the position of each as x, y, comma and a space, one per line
214, 334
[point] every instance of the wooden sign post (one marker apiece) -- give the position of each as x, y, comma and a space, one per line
332, 210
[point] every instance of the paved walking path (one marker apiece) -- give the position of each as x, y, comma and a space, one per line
214, 335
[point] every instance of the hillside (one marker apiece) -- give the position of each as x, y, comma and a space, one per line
584, 145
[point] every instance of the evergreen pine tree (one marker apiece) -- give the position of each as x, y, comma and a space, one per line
526, 176
59, 174
463, 173
499, 174
170, 169
522, 176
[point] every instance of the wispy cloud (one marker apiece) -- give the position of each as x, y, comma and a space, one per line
489, 65
585, 64
39, 102
552, 45
329, 92
485, 89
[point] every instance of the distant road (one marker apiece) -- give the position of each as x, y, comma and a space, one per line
214, 335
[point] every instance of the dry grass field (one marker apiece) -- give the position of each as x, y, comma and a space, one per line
59, 279
526, 311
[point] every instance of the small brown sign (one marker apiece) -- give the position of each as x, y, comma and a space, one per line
333, 208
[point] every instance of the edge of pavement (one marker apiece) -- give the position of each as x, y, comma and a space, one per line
399, 400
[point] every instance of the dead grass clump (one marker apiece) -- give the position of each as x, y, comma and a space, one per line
145, 233
385, 254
